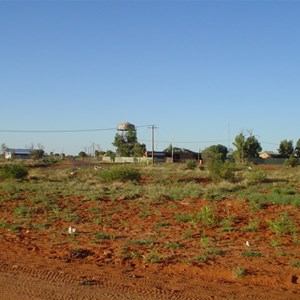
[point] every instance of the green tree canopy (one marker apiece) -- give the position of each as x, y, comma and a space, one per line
246, 147
37, 154
286, 148
3, 148
128, 145
214, 152
82, 154
139, 150
297, 149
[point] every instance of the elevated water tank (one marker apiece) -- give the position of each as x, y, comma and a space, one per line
126, 126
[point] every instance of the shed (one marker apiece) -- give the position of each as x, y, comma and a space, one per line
17, 153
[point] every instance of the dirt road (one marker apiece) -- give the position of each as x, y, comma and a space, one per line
31, 278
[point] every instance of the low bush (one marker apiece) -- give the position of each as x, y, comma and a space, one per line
255, 176
120, 173
219, 170
191, 164
14, 171
292, 161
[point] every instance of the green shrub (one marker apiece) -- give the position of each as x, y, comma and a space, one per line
219, 170
255, 176
227, 171
292, 161
15, 171
120, 173
191, 164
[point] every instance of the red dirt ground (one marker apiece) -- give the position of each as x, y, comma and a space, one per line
50, 263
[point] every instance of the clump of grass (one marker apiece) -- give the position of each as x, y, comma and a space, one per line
275, 243
191, 164
187, 235
281, 225
201, 258
163, 224
141, 242
120, 173
204, 241
251, 253
253, 225
255, 176
184, 217
103, 236
295, 264
171, 245
206, 216
22, 210
257, 201
216, 252
226, 223
152, 257
135, 255
239, 272
13, 171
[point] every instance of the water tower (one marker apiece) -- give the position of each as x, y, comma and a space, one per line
126, 126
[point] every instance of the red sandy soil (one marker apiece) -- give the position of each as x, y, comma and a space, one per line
50, 263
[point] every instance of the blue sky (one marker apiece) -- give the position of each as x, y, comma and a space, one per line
201, 71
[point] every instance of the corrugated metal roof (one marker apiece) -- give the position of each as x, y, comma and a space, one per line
20, 151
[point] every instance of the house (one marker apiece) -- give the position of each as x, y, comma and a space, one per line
12, 153
159, 156
182, 155
269, 158
270, 154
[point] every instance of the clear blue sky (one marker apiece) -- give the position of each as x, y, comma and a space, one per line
201, 71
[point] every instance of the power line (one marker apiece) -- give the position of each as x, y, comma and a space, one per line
62, 130
183, 142
199, 142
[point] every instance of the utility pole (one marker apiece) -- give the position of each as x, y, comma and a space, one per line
152, 130
172, 150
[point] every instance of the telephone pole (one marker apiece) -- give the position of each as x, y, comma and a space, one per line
152, 130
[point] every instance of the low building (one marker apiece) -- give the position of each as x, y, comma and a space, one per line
159, 156
270, 154
269, 158
17, 153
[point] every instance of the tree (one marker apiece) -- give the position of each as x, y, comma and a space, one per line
239, 143
246, 147
215, 161
214, 152
128, 145
169, 149
252, 147
82, 154
139, 150
37, 154
286, 148
3, 148
297, 149
111, 154
292, 161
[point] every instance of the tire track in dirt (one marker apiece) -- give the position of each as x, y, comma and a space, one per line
27, 283
30, 283
41, 274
